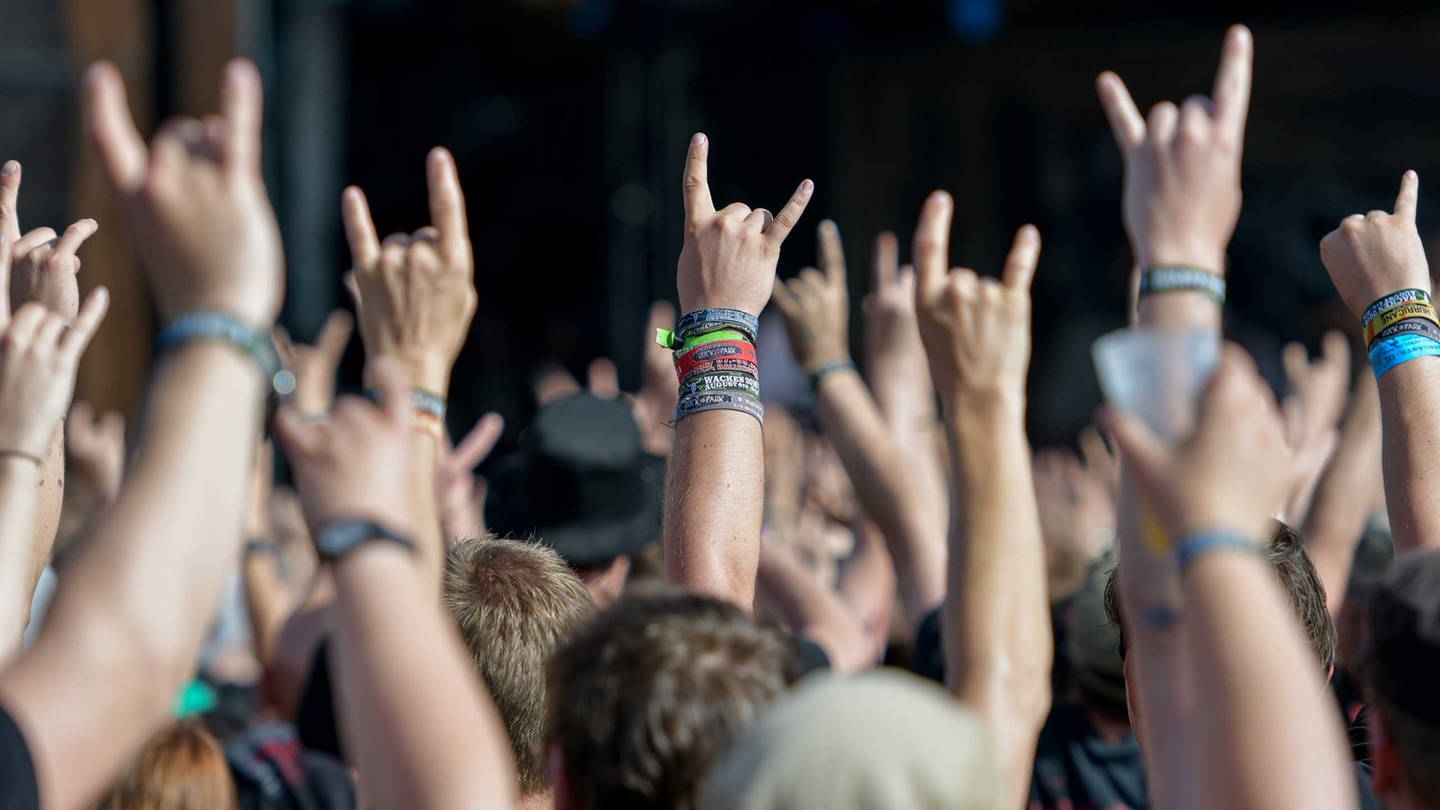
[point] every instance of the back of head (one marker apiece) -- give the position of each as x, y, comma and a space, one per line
883, 739
645, 697
183, 767
1400, 667
1287, 556
514, 602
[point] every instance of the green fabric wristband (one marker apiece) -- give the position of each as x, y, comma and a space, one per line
711, 337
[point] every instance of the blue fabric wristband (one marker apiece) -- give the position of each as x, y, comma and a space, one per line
226, 328
1201, 543
1393, 351
704, 321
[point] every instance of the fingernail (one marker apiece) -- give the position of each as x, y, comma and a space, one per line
10, 167
698, 139
807, 186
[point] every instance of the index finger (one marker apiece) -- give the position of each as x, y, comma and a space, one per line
884, 262
832, 253
359, 228
112, 129
697, 178
73, 343
1409, 197
335, 333
931, 249
1232, 80
1126, 123
1024, 255
242, 104
447, 203
10, 200
7, 252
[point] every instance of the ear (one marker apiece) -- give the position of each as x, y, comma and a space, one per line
1329, 675
564, 796
1130, 707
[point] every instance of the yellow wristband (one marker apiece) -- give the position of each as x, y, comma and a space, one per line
1396, 314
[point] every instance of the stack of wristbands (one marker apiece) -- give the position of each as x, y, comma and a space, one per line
715, 362
1399, 328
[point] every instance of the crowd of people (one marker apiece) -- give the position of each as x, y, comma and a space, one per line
689, 596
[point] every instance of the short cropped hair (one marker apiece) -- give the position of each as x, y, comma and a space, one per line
647, 696
514, 602
1286, 554
181, 767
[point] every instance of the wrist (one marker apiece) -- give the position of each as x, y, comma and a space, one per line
1170, 254
427, 372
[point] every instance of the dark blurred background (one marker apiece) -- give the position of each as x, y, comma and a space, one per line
570, 119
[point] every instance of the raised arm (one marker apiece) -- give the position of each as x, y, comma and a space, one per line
996, 620
1371, 257
715, 486
817, 312
125, 628
37, 378
416, 296
419, 723
1268, 734
1181, 203
43, 272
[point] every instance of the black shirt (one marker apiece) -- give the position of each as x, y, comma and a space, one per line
19, 789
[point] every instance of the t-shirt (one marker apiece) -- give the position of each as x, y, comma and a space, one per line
19, 789
273, 771
1077, 768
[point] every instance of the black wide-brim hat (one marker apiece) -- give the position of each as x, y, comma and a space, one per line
581, 483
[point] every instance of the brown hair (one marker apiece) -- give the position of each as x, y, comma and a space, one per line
514, 602
649, 694
1286, 554
182, 767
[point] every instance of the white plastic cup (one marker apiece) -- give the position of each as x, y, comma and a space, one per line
1157, 374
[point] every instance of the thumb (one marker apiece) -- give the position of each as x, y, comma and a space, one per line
1141, 450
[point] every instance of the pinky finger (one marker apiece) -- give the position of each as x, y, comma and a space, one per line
786, 220
74, 342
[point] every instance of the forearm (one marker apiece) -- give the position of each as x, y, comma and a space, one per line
432, 545
812, 610
46, 512
905, 395
714, 506
1410, 420
267, 603
390, 635
1343, 502
999, 647
1269, 736
19, 482
886, 490
122, 616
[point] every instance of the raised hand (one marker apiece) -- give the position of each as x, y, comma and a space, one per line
1231, 473
415, 293
315, 366
729, 257
1372, 255
44, 265
356, 463
461, 493
1182, 165
817, 306
39, 357
890, 327
976, 330
195, 198
95, 451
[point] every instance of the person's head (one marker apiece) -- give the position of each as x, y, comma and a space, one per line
881, 739
514, 602
647, 695
181, 767
1091, 647
1286, 554
605, 580
1399, 667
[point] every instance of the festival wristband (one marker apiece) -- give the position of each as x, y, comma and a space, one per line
20, 455
722, 365
1412, 295
818, 375
1386, 355
730, 335
1395, 315
724, 381
225, 328
703, 321
700, 403
730, 350
431, 425
1413, 326
1202, 543
424, 402
1182, 279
